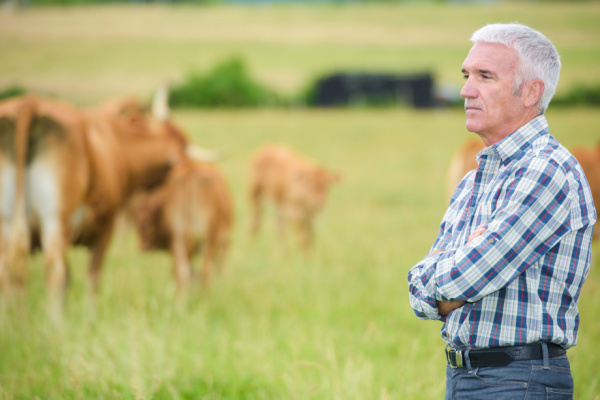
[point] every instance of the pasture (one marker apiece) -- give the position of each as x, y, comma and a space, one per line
276, 324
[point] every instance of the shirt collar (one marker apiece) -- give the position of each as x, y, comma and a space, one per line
519, 141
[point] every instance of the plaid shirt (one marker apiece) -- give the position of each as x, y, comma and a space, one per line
522, 278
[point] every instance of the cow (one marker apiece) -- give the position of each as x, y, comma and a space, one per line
462, 161
66, 173
589, 159
296, 185
42, 158
191, 214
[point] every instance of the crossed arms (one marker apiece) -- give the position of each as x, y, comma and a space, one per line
528, 220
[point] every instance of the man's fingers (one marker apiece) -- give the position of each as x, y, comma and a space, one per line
476, 233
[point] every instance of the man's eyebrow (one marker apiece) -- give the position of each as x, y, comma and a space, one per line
485, 72
481, 71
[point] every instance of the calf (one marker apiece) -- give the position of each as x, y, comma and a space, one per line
463, 161
294, 184
191, 213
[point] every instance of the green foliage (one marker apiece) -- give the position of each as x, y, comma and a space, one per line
77, 2
227, 85
580, 95
307, 95
11, 91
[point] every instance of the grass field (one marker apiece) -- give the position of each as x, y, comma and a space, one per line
87, 54
334, 324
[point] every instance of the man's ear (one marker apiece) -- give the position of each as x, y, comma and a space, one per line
532, 92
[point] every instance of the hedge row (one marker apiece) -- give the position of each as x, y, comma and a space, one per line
229, 85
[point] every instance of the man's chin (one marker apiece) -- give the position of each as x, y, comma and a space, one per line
472, 126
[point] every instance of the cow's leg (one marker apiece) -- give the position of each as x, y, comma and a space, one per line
10, 293
4, 278
256, 194
97, 258
6, 211
283, 214
46, 204
182, 269
221, 250
209, 254
54, 248
306, 233
15, 230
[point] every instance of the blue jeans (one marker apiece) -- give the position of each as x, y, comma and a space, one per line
525, 380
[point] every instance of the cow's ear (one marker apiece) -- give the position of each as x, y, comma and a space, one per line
334, 177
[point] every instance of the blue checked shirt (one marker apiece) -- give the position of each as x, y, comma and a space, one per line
522, 278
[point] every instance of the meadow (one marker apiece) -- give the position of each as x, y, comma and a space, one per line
276, 324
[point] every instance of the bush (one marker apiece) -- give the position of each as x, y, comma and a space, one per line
578, 96
227, 85
11, 92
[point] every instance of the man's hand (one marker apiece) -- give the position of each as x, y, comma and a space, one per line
446, 307
476, 233
436, 251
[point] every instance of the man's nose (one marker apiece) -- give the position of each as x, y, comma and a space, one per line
468, 91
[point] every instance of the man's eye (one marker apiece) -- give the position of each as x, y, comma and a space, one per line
486, 76
465, 76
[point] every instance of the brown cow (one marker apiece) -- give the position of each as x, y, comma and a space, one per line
463, 161
192, 213
589, 159
42, 158
66, 173
294, 184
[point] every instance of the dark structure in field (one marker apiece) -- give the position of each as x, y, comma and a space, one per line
343, 89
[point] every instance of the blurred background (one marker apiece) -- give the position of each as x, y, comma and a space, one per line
366, 88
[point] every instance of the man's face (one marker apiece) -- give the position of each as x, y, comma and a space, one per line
492, 110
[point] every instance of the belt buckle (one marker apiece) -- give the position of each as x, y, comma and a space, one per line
459, 359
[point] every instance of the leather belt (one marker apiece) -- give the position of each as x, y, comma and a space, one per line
500, 356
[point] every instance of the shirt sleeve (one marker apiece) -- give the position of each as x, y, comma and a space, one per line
421, 290
532, 215
421, 276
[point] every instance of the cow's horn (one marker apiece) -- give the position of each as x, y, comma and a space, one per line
201, 154
160, 103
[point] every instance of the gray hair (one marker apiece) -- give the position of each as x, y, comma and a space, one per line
538, 58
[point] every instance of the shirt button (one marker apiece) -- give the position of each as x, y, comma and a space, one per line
491, 241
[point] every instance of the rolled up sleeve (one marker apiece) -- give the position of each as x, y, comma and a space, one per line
422, 291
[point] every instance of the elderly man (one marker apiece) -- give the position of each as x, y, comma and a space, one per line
513, 249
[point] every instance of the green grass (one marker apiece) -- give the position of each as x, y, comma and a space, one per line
88, 54
335, 324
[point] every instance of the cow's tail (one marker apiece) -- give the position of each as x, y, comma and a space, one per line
19, 242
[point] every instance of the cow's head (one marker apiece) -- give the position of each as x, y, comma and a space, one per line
310, 185
151, 147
